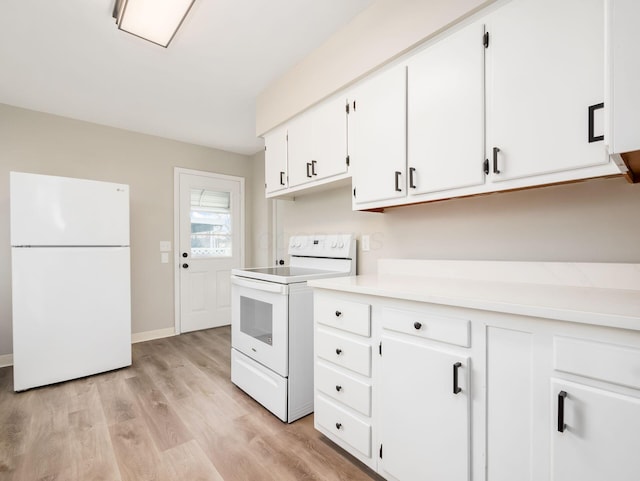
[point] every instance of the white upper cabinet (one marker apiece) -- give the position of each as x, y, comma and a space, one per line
545, 64
300, 149
315, 144
275, 160
445, 102
377, 137
329, 139
623, 71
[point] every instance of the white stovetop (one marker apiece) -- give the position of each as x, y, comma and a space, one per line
601, 294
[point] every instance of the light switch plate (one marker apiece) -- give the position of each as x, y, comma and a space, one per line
165, 246
365, 243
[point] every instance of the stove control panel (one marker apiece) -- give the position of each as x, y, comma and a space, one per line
335, 246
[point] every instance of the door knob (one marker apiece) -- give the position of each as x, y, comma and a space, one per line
185, 265
184, 254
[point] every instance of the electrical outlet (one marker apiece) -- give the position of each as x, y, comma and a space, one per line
164, 257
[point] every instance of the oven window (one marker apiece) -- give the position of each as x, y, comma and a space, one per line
256, 319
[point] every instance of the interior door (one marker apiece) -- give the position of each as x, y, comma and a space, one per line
211, 223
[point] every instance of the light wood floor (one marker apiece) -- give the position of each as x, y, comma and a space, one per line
173, 415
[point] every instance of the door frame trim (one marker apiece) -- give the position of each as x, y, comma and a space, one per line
176, 230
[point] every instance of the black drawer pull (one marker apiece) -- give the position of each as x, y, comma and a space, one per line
592, 110
412, 171
338, 388
456, 389
561, 424
417, 325
338, 313
338, 351
495, 160
338, 425
398, 174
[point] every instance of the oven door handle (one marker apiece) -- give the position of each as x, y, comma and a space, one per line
260, 285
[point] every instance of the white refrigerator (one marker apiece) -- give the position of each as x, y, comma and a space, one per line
71, 286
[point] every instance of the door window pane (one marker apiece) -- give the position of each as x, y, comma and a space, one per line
210, 223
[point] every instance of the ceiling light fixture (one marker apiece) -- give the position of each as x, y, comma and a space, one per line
154, 20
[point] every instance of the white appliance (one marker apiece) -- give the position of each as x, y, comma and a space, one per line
70, 278
272, 323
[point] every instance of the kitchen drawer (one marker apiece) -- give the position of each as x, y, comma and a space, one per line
343, 351
342, 314
451, 330
598, 360
346, 389
335, 419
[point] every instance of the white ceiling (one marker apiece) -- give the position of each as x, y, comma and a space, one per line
67, 57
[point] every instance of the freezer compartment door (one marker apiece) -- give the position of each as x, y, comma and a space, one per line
71, 313
60, 211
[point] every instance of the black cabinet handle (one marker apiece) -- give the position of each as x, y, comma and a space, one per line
313, 167
338, 426
338, 313
281, 178
398, 189
456, 389
417, 325
338, 388
561, 425
495, 160
338, 351
592, 110
308, 167
411, 172
185, 266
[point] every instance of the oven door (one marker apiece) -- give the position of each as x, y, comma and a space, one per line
259, 322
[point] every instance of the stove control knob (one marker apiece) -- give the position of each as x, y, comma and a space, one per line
334, 244
340, 245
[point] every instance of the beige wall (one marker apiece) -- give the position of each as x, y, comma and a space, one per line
590, 221
262, 212
47, 144
385, 30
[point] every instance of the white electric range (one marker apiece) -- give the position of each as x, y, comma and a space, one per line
272, 323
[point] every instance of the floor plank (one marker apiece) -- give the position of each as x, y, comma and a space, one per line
174, 414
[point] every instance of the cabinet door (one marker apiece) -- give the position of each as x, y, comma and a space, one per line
275, 160
377, 137
445, 102
601, 438
329, 139
545, 64
300, 149
623, 70
424, 424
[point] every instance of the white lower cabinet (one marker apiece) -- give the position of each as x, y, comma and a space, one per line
597, 434
424, 411
342, 373
442, 393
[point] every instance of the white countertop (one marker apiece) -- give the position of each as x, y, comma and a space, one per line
613, 307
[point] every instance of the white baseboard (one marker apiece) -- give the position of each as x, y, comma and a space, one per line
150, 335
6, 360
